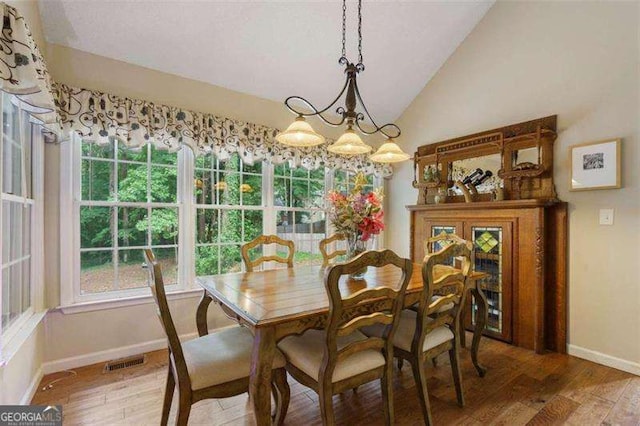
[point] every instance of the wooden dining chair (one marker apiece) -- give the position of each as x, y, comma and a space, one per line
435, 244
425, 333
440, 241
340, 357
327, 257
264, 240
213, 366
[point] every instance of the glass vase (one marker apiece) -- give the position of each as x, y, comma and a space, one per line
355, 246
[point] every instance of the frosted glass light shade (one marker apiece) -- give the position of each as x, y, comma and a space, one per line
349, 144
389, 152
300, 133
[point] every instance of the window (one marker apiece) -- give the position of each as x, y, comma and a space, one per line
299, 206
127, 200
20, 159
229, 212
194, 211
343, 181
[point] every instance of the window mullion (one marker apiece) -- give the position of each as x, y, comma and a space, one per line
269, 218
186, 218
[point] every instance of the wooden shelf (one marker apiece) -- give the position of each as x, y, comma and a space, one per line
506, 204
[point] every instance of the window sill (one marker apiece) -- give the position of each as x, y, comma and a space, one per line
99, 305
11, 346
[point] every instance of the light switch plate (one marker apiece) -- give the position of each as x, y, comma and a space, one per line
606, 216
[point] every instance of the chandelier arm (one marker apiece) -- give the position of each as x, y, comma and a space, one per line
360, 117
315, 111
381, 129
312, 108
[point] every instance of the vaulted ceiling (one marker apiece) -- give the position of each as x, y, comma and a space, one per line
274, 49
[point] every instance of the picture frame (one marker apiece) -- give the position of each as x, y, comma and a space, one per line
595, 165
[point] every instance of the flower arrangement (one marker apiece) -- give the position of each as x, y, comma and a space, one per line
357, 214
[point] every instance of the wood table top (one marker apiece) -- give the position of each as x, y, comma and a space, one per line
277, 295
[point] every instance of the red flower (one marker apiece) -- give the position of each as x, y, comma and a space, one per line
373, 199
371, 226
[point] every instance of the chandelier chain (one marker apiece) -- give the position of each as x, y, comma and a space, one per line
343, 58
360, 64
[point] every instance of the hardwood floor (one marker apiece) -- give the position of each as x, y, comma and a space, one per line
519, 388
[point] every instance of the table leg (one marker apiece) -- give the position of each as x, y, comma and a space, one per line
201, 314
481, 322
264, 347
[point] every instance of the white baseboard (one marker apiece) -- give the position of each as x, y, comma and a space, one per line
604, 359
109, 354
33, 388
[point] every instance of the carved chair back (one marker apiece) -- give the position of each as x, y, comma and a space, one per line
441, 241
156, 283
449, 289
382, 305
263, 240
327, 257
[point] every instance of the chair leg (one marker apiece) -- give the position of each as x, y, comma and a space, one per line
326, 406
184, 408
281, 394
387, 395
421, 384
457, 376
168, 397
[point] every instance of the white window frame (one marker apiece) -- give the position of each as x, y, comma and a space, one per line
36, 217
70, 192
70, 203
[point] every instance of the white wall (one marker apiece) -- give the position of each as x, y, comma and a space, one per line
89, 337
580, 61
19, 378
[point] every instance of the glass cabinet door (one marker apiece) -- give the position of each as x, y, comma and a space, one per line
492, 255
437, 228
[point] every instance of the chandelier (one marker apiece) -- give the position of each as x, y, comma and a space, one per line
301, 134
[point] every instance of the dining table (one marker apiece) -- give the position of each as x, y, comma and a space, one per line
277, 303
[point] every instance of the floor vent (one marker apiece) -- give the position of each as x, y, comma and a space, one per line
119, 364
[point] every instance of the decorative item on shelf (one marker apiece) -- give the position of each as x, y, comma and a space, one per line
498, 193
358, 215
468, 198
300, 133
441, 196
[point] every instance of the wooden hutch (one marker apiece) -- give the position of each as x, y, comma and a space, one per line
516, 223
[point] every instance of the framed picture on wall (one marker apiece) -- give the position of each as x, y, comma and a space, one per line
595, 165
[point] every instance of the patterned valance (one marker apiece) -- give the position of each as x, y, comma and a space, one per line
23, 71
97, 116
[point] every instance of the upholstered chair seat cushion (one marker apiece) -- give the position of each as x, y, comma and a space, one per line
406, 329
221, 357
305, 352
